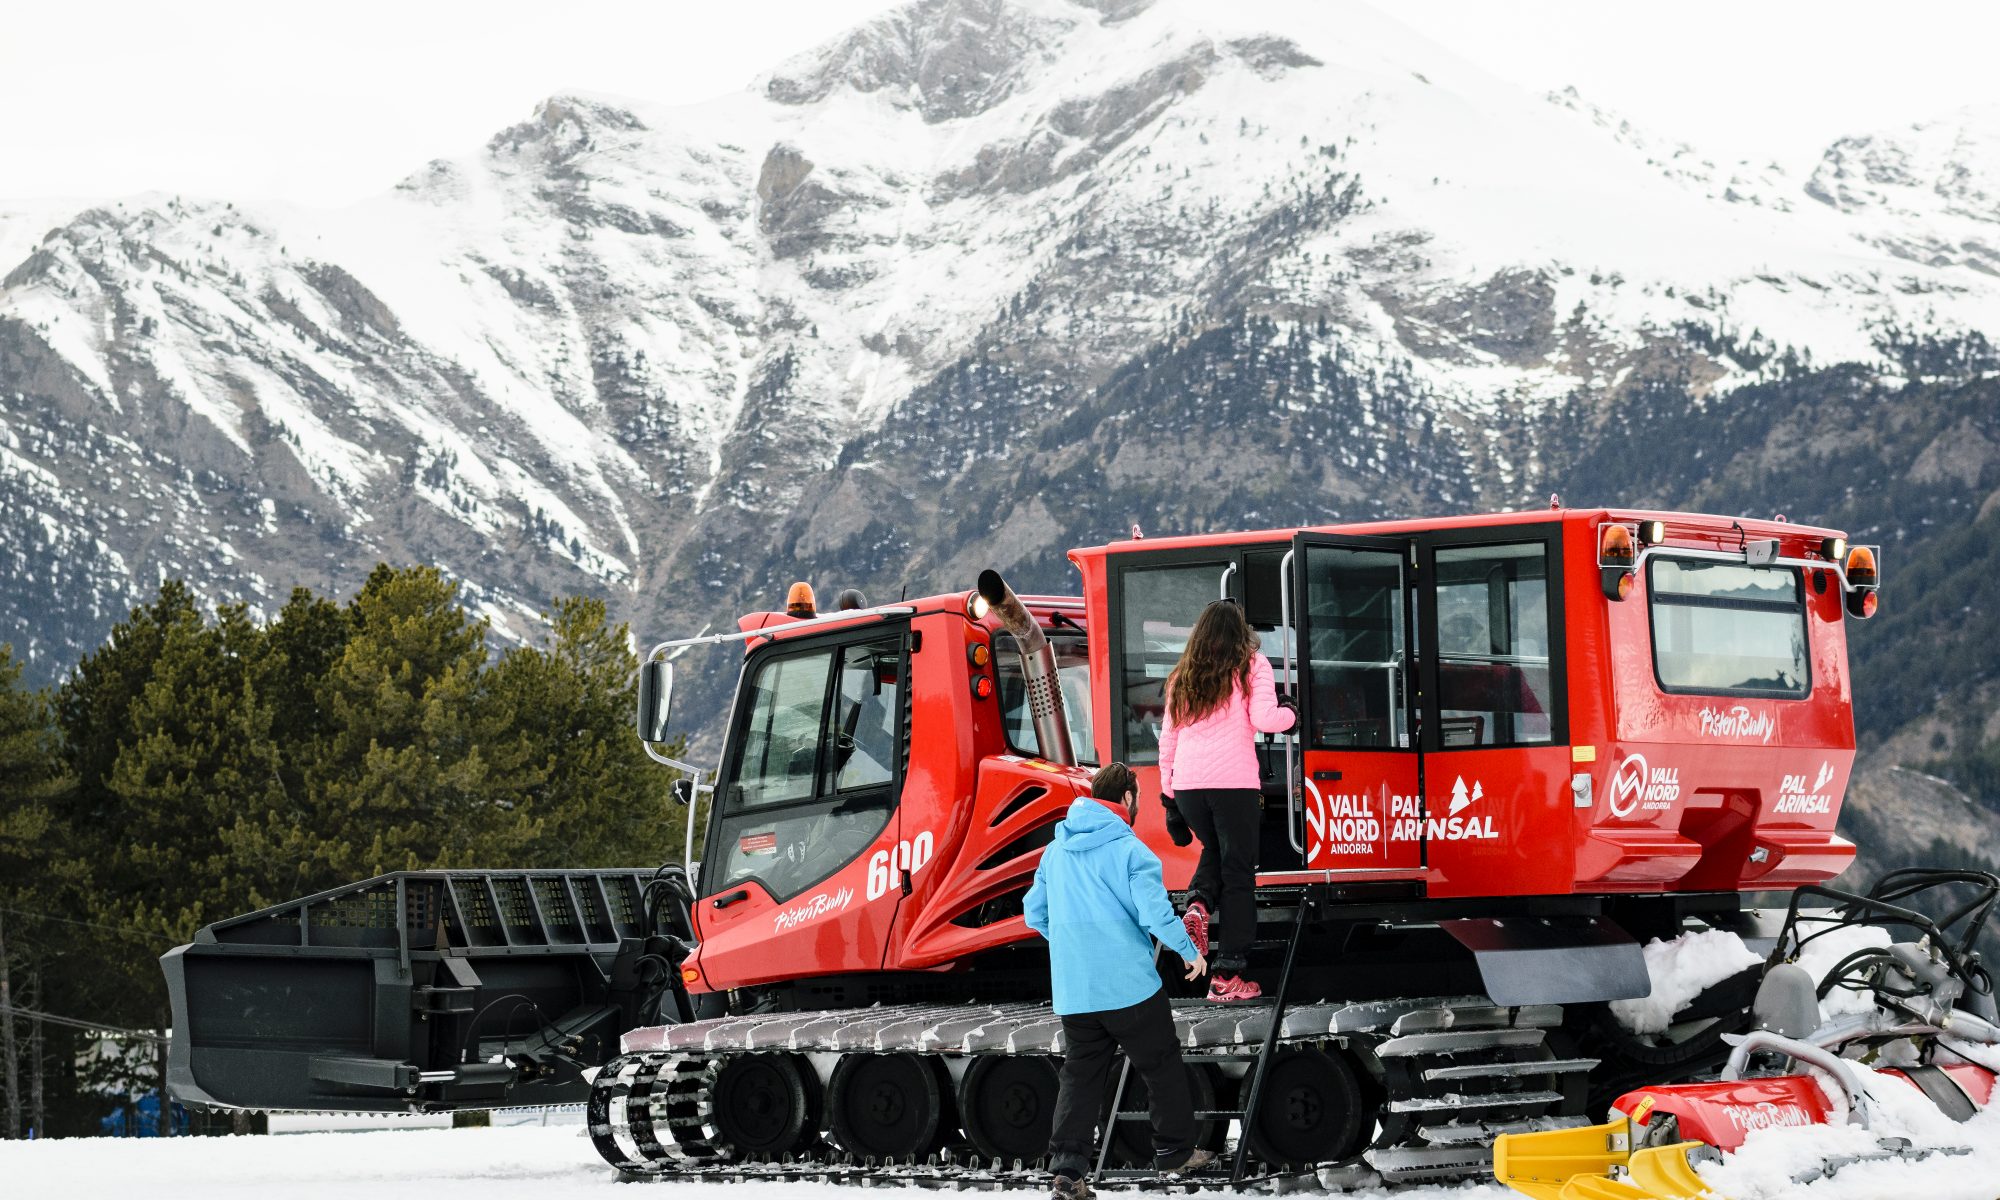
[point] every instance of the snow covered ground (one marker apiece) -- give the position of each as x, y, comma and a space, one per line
556, 1162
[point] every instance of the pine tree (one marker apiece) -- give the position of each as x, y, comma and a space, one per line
563, 711
197, 766
31, 777
397, 780
92, 704
196, 763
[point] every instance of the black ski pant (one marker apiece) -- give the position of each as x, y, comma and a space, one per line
1145, 1031
1228, 822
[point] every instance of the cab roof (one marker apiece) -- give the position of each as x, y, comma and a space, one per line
1681, 524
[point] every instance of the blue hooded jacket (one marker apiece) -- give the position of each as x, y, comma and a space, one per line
1097, 897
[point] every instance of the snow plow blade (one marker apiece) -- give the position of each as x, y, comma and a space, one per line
1594, 1163
1543, 1164
1664, 1171
391, 994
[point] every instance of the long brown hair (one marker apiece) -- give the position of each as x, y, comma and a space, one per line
1215, 663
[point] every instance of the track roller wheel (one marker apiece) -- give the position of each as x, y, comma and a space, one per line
1132, 1141
1008, 1105
887, 1106
1311, 1110
607, 1116
764, 1106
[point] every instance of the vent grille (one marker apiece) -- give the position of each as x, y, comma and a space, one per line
1018, 801
991, 912
1034, 839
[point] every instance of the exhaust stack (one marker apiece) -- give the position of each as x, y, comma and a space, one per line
1038, 668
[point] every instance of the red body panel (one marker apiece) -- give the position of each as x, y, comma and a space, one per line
1723, 1114
1731, 794
1686, 793
1369, 822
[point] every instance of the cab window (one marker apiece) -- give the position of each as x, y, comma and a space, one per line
1495, 686
1158, 611
1072, 674
813, 781
1354, 647
1726, 629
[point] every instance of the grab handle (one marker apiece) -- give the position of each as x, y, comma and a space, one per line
1298, 713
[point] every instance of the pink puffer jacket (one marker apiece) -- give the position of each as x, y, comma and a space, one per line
1220, 750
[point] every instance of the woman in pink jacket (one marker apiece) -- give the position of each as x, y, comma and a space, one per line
1219, 698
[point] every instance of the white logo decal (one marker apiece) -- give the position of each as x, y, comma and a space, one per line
1738, 721
1451, 827
907, 859
1627, 785
1635, 785
1766, 1115
813, 909
1795, 798
1344, 823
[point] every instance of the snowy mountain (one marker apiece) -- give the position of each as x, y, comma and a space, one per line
972, 283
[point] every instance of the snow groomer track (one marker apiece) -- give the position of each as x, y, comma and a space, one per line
949, 1096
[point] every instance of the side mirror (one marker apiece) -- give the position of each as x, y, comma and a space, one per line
656, 700
683, 791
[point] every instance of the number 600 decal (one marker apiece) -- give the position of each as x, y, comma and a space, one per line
887, 864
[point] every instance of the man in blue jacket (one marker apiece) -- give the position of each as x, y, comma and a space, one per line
1099, 900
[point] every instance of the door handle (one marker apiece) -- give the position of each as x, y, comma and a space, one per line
1326, 777
731, 898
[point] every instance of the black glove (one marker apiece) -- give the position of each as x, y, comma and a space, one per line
1177, 826
1291, 703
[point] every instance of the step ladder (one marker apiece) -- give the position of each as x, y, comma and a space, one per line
1247, 1115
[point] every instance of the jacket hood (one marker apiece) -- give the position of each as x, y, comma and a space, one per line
1090, 825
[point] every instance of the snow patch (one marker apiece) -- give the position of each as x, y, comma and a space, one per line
1772, 1160
1681, 970
1824, 952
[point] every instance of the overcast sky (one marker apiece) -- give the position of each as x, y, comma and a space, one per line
324, 103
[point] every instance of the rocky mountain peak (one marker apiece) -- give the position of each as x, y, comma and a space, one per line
977, 281
1950, 165
1928, 193
563, 126
946, 59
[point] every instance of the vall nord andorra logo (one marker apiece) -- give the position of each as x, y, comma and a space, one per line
1343, 823
1636, 785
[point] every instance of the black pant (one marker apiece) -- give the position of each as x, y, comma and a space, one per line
1145, 1031
1228, 822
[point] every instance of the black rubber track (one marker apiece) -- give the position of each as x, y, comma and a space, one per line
1312, 1110
884, 1107
766, 1106
1008, 1104
1132, 1141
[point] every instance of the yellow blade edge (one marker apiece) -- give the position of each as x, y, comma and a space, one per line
1665, 1172
1600, 1187
1543, 1164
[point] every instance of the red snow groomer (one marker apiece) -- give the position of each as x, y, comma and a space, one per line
1798, 1065
1529, 742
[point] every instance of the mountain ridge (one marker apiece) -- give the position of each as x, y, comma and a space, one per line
975, 282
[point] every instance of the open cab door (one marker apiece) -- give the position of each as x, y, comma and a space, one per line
1354, 781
